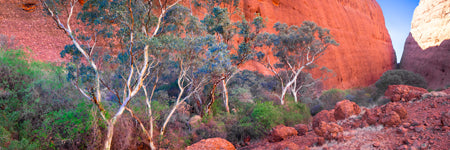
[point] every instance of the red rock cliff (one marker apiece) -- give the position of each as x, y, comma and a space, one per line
365, 50
427, 48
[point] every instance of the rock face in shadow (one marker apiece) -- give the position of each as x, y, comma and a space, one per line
365, 50
427, 48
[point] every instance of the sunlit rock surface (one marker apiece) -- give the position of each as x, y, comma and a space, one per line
365, 49
427, 48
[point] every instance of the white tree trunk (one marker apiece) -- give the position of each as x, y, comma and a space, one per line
225, 92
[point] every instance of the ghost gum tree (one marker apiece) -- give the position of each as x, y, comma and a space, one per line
137, 26
296, 48
238, 37
145, 36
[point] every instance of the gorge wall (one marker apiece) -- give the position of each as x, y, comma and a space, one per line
427, 48
364, 53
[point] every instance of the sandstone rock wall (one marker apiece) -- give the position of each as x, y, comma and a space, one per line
31, 28
365, 50
427, 48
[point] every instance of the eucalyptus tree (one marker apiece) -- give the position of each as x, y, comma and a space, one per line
296, 48
134, 25
238, 36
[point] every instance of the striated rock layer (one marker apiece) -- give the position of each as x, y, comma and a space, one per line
427, 48
365, 50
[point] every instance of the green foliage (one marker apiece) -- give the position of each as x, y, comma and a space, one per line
330, 97
5, 136
266, 116
38, 106
294, 113
23, 144
397, 77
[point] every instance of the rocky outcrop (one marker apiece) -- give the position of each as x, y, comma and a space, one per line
212, 143
365, 49
404, 93
427, 48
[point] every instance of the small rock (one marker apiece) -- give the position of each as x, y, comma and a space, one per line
406, 124
419, 129
445, 118
415, 123
403, 147
376, 144
423, 146
433, 105
319, 141
402, 130
301, 129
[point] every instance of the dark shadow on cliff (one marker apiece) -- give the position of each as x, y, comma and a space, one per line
433, 63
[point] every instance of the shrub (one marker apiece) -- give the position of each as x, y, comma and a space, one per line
397, 77
362, 96
266, 116
330, 97
294, 113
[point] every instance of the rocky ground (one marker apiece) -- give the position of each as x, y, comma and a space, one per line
414, 119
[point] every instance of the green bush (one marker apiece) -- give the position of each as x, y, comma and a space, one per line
397, 77
362, 96
266, 116
329, 98
294, 113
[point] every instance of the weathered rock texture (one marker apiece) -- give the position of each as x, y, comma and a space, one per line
427, 48
365, 50
26, 22
212, 143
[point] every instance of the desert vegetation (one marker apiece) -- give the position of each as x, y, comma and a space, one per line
152, 74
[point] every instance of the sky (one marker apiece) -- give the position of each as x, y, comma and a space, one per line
398, 15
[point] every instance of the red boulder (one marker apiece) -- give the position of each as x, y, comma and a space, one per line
404, 93
212, 143
345, 109
281, 132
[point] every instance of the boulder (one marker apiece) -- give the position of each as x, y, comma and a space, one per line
195, 121
426, 50
212, 143
391, 119
301, 129
404, 93
288, 146
345, 109
281, 132
397, 108
371, 116
324, 115
329, 130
